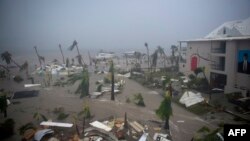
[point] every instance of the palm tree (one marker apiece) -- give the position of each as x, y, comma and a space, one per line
154, 57
146, 45
162, 53
202, 70
111, 70
3, 103
126, 57
7, 57
62, 53
79, 57
73, 61
165, 110
90, 59
173, 58
138, 57
39, 57
25, 66
83, 87
67, 62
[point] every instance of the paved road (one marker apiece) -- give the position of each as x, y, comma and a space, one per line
183, 124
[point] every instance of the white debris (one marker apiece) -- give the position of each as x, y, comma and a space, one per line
100, 125
143, 137
95, 94
39, 134
31, 85
160, 137
59, 124
190, 98
174, 80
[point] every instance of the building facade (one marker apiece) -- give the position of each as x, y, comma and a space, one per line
225, 55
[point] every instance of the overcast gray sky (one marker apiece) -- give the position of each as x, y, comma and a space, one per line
111, 24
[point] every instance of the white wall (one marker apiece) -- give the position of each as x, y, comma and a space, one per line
201, 48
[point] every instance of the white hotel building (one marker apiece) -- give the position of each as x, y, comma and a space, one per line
222, 53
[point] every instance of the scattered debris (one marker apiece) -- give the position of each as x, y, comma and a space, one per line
190, 98
41, 133
31, 85
144, 137
100, 125
136, 126
95, 94
160, 137
58, 124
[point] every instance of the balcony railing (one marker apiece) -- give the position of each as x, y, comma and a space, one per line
220, 67
218, 50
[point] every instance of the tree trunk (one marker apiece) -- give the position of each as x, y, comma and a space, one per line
62, 53
83, 126
6, 68
90, 60
164, 57
15, 63
148, 57
126, 60
166, 126
112, 82
38, 57
79, 56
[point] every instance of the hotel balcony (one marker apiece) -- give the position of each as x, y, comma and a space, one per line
219, 48
218, 64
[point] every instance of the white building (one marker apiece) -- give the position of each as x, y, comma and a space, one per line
222, 53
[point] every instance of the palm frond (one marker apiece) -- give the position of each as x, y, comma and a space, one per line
74, 77
6, 56
73, 45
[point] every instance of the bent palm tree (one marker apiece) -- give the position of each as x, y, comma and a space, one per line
25, 67
7, 57
162, 53
165, 110
90, 59
83, 87
138, 57
154, 57
39, 58
173, 58
146, 45
79, 57
112, 71
62, 53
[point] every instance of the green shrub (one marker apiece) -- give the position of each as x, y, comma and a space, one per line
7, 128
2, 74
25, 127
58, 110
106, 80
138, 100
99, 88
18, 79
191, 76
62, 116
85, 112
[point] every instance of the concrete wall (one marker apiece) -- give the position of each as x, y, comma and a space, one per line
201, 48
